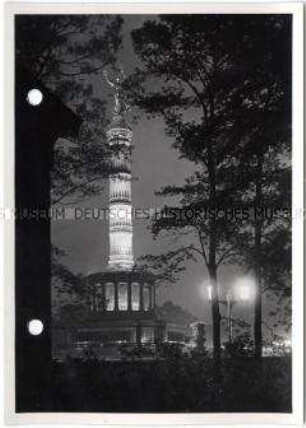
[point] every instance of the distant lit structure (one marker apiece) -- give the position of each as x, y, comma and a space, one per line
121, 301
277, 347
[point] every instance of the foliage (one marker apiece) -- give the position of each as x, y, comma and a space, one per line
192, 63
221, 85
57, 47
174, 313
201, 338
241, 346
265, 240
176, 384
65, 285
169, 350
67, 53
70, 314
133, 352
73, 296
196, 92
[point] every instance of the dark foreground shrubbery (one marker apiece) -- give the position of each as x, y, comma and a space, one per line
175, 383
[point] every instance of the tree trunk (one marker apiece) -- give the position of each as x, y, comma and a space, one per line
258, 233
216, 328
212, 266
215, 318
258, 303
257, 325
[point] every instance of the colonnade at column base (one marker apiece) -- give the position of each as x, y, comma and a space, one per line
121, 291
125, 316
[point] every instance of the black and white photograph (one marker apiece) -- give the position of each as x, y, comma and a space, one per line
154, 212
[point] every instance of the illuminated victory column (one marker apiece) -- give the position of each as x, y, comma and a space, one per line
122, 304
119, 137
121, 299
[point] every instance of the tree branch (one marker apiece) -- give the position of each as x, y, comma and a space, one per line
74, 188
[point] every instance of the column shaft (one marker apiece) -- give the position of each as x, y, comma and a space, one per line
103, 297
129, 293
154, 295
116, 296
150, 297
141, 306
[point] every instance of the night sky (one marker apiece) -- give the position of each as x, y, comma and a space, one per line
155, 164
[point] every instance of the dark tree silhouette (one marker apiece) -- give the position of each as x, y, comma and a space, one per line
67, 53
210, 80
266, 240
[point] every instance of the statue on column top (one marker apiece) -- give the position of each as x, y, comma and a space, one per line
121, 106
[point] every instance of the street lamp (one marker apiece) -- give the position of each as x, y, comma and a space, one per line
241, 291
245, 288
209, 292
228, 302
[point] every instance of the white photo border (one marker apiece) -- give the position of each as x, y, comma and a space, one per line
123, 419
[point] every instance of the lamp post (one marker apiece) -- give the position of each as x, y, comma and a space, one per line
229, 302
241, 291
